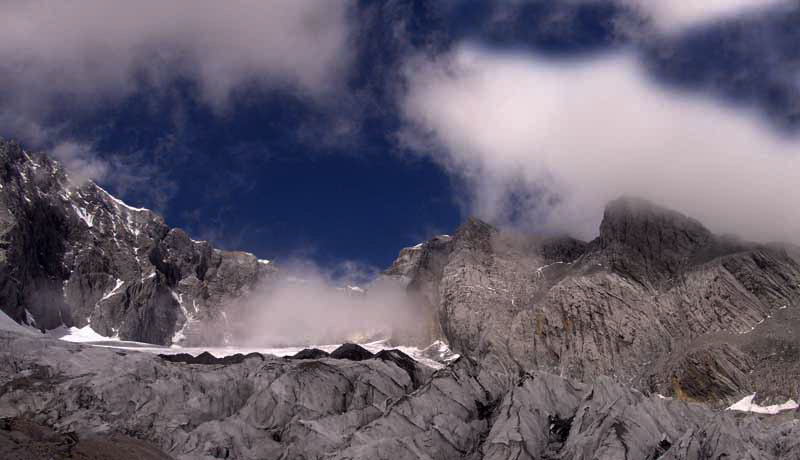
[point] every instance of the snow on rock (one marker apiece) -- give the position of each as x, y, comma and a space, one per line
540, 270
84, 215
746, 404
75, 334
112, 292
436, 356
119, 202
29, 319
438, 351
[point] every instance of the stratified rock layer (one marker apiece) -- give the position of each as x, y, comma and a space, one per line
656, 301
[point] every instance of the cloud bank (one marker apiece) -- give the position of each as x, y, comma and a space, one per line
63, 58
98, 48
545, 144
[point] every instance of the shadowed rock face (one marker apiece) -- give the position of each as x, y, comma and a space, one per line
23, 439
72, 254
310, 353
351, 352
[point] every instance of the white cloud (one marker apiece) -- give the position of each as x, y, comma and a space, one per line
670, 15
98, 48
556, 140
81, 163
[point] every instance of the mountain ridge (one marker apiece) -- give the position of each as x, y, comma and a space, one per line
75, 255
626, 346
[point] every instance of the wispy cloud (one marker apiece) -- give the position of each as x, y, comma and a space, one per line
81, 163
99, 49
676, 15
63, 57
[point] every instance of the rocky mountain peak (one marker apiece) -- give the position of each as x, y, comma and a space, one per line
649, 242
72, 254
630, 221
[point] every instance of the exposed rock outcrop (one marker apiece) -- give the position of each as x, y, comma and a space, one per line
266, 407
566, 346
656, 301
71, 254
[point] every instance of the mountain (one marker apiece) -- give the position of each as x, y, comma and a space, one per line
260, 406
627, 346
72, 254
656, 301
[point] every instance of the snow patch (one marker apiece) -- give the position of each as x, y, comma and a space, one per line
180, 333
113, 291
746, 404
540, 270
119, 202
436, 356
29, 319
75, 334
84, 215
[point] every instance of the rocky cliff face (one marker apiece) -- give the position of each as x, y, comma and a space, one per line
72, 254
623, 347
656, 301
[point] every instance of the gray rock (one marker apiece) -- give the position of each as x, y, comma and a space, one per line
266, 407
656, 301
566, 347
71, 254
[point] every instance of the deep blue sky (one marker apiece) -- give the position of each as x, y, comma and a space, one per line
281, 175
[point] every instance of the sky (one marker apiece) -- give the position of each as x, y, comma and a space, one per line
342, 131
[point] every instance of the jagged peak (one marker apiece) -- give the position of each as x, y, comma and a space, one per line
627, 218
474, 226
652, 243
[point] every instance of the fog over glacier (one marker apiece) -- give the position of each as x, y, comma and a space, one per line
311, 306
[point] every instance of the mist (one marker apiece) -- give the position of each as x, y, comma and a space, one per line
307, 306
545, 144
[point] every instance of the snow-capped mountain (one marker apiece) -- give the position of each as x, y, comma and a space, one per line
628, 346
73, 254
